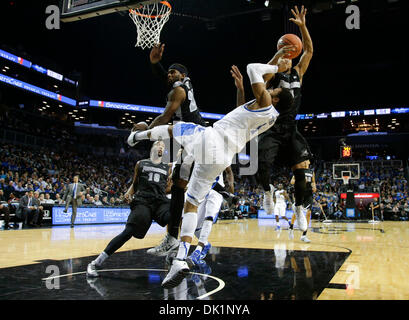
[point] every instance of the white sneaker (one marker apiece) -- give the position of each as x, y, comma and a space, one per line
178, 271
131, 139
300, 217
92, 270
166, 246
268, 203
305, 239
291, 234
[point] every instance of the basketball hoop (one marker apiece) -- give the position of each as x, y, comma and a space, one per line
345, 179
149, 20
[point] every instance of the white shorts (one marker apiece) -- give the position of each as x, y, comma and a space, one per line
209, 208
280, 209
206, 145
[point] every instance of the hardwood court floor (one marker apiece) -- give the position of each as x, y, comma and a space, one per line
355, 260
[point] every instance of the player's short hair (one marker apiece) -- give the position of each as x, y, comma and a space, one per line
286, 100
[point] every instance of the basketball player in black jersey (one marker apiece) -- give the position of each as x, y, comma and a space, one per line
310, 189
181, 106
283, 144
148, 201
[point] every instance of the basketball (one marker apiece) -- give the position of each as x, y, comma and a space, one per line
290, 39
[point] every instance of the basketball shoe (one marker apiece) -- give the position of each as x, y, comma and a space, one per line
205, 251
178, 271
194, 258
305, 239
168, 244
131, 139
92, 270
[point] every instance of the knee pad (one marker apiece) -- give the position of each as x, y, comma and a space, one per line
189, 224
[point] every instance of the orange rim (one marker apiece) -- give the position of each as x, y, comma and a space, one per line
154, 16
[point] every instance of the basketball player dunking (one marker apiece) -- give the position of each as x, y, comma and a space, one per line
213, 149
283, 144
148, 202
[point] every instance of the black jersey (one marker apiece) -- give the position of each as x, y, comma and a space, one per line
188, 111
152, 179
292, 82
309, 173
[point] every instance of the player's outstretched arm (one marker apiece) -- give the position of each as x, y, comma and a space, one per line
175, 99
256, 71
299, 20
155, 57
238, 81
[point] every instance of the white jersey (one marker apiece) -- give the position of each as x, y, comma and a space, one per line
279, 194
220, 180
243, 124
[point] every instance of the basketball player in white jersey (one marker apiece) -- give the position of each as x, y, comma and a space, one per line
280, 205
214, 148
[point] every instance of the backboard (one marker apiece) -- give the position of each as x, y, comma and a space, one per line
351, 170
74, 10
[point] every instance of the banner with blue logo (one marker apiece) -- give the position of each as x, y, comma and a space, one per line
91, 215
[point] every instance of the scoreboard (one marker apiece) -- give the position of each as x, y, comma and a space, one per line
346, 152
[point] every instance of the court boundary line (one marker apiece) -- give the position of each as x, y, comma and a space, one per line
222, 284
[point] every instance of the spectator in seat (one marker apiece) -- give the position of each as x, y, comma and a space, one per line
40, 209
4, 210
105, 201
27, 210
58, 199
47, 198
97, 202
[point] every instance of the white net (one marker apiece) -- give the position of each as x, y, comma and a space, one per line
345, 179
149, 20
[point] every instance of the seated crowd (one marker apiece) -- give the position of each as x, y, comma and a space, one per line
389, 183
47, 174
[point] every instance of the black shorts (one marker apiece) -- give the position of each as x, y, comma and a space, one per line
284, 146
308, 200
145, 210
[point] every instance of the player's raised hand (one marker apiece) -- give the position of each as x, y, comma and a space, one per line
284, 50
299, 16
238, 78
156, 53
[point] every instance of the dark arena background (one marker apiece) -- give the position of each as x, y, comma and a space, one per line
72, 88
